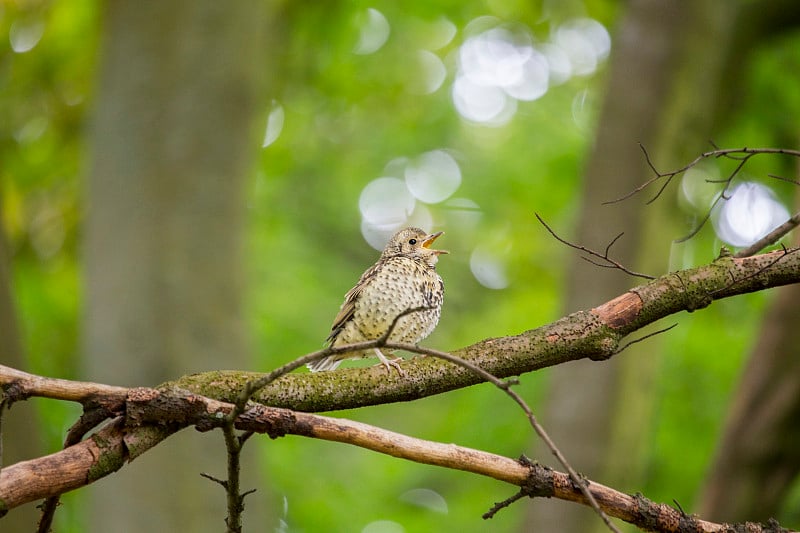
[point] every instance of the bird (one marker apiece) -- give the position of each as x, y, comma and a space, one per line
403, 280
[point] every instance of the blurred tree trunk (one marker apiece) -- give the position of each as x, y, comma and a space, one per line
758, 457
661, 92
20, 425
179, 95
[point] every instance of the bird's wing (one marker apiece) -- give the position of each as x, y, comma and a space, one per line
348, 309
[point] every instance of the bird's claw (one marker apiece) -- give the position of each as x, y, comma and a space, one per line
390, 363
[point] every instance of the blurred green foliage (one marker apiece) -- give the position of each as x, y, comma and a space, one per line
346, 117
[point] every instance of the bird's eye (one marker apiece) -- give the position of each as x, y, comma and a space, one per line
412, 241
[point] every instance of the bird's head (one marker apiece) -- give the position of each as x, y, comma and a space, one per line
414, 243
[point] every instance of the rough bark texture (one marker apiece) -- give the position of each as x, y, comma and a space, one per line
152, 415
179, 95
591, 334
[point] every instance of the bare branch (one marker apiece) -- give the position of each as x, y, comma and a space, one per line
781, 178
736, 154
770, 238
658, 176
536, 480
610, 263
702, 223
645, 337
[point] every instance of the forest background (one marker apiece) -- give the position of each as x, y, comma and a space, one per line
193, 186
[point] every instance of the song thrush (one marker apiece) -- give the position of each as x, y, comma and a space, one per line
403, 278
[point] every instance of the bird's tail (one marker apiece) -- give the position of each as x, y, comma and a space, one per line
326, 363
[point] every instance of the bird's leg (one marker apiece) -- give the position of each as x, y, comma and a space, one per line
390, 363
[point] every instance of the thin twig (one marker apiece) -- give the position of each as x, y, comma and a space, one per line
770, 238
736, 154
781, 178
658, 176
221, 482
611, 263
742, 156
640, 339
234, 498
698, 227
723, 195
499, 506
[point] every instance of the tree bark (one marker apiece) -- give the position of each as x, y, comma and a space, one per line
179, 94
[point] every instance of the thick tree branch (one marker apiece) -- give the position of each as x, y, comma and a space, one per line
593, 334
80, 464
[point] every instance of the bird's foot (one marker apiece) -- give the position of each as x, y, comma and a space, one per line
390, 363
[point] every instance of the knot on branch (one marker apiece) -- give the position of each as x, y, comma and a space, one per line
13, 392
167, 407
652, 516
540, 481
605, 348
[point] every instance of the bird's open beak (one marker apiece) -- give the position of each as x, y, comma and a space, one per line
429, 240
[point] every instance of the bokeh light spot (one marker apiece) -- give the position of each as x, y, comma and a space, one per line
750, 213
698, 187
431, 73
433, 176
440, 33
463, 213
378, 235
534, 79
488, 268
586, 42
274, 124
32, 130
559, 65
482, 103
385, 202
425, 498
24, 36
383, 526
373, 32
